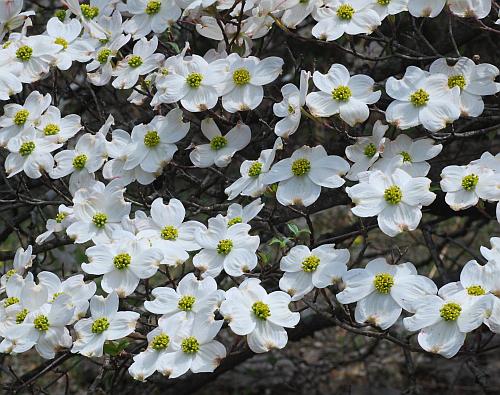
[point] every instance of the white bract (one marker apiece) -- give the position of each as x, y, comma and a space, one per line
382, 291
260, 316
305, 269
150, 16
342, 94
301, 176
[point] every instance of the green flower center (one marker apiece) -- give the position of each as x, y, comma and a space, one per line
370, 150
345, 12
100, 325
406, 156
21, 316
89, 12
61, 41
160, 342
169, 232
450, 311
10, 301
255, 170
24, 53
469, 182
341, 93
383, 282
261, 310
190, 345
234, 221
122, 261
291, 110
241, 77
151, 139
383, 2
224, 247
103, 55
21, 117
476, 290
10, 273
419, 98
41, 323
61, 15
135, 61
153, 7
60, 217
194, 80
310, 264
79, 161
301, 167
51, 129
456, 80
56, 295
393, 194
186, 303
27, 148
104, 41
100, 220
218, 142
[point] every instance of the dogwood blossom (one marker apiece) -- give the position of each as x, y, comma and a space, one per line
342, 94
262, 317
478, 9
426, 8
236, 213
150, 16
301, 176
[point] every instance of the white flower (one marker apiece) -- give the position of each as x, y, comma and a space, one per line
260, 316
236, 213
493, 253
465, 185
251, 183
388, 7
342, 94
337, 17
193, 81
365, 152
105, 323
31, 153
167, 231
306, 270
193, 348
225, 247
415, 154
61, 221
192, 297
46, 328
221, 149
150, 16
301, 176
153, 145
91, 14
98, 211
23, 259
9, 72
426, 8
290, 107
242, 89
159, 344
141, 61
123, 262
444, 321
395, 197
99, 71
66, 35
422, 98
118, 149
52, 125
33, 53
17, 118
87, 157
295, 14
78, 291
473, 80
11, 16
382, 291
477, 9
